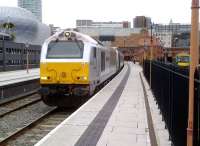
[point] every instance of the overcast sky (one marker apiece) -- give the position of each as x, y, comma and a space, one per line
64, 13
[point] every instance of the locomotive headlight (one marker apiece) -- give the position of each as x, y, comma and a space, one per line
67, 34
82, 78
44, 78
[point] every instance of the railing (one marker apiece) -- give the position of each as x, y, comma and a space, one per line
170, 85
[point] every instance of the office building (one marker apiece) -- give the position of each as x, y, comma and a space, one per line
142, 22
35, 6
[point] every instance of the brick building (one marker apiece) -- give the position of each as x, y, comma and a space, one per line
137, 46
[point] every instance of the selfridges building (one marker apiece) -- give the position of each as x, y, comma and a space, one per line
26, 28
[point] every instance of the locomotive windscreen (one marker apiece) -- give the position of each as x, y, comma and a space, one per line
65, 49
183, 58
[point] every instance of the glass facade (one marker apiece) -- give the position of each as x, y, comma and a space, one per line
35, 6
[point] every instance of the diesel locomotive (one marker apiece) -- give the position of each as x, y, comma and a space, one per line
73, 65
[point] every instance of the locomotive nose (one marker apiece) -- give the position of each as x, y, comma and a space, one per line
64, 73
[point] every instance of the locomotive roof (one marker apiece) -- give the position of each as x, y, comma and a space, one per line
78, 36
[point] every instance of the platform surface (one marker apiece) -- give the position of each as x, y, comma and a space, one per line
109, 118
12, 77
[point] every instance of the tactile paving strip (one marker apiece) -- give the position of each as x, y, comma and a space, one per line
94, 131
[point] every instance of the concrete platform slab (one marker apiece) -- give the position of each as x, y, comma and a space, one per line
12, 77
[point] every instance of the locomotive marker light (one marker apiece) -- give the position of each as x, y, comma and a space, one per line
194, 52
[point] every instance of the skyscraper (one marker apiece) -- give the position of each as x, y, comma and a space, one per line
142, 21
35, 6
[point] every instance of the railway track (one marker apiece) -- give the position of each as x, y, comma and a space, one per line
19, 113
18, 103
32, 133
25, 117
7, 101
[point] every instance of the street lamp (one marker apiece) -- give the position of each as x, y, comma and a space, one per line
27, 60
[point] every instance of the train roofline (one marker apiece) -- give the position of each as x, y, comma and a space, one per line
79, 36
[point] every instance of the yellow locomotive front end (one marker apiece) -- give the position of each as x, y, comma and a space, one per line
183, 60
64, 73
70, 78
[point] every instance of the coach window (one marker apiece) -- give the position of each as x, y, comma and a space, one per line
95, 52
1, 62
103, 61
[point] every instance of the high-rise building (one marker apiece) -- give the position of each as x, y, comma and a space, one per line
35, 6
141, 22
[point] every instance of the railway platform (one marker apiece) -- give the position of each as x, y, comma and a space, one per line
123, 113
12, 77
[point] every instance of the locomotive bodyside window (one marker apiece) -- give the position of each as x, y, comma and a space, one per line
95, 52
103, 59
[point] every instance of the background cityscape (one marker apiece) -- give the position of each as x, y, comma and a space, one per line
24, 24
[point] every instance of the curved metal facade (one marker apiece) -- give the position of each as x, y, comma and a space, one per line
27, 28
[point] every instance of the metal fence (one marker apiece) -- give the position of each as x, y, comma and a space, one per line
170, 85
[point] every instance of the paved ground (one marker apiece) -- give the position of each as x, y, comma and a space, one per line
128, 125
109, 118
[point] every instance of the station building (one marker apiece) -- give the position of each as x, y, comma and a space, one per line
21, 38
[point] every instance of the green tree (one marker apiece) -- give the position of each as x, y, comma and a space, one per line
8, 25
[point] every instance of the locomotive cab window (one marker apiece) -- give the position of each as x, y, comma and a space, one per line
183, 59
65, 49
